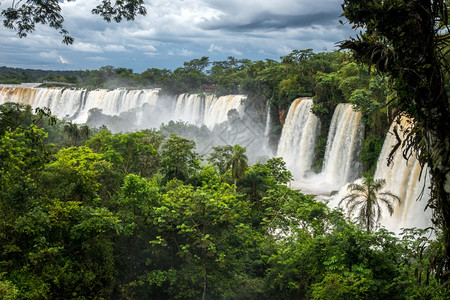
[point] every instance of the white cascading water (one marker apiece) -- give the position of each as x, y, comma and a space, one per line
189, 108
403, 180
219, 107
267, 131
18, 95
75, 104
210, 99
341, 163
298, 137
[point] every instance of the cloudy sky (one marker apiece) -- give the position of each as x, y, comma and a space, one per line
175, 31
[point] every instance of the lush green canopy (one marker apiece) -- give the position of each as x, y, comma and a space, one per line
125, 216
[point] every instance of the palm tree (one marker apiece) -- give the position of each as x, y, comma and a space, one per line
238, 162
84, 132
365, 200
72, 131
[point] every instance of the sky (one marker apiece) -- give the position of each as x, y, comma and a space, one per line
176, 31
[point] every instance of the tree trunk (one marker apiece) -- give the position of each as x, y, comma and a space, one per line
204, 283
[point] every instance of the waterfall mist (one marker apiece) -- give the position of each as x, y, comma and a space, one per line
207, 119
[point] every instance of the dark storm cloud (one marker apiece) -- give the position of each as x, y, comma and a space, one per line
274, 22
175, 31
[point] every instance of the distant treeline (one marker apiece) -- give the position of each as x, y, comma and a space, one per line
18, 75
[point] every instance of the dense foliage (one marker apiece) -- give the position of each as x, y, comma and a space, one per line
91, 214
124, 216
409, 42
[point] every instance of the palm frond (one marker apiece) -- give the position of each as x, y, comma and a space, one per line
365, 202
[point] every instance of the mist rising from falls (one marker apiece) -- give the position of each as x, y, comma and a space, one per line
298, 138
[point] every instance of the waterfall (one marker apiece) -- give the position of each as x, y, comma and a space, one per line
403, 179
344, 141
267, 130
75, 104
209, 101
18, 95
190, 108
341, 163
298, 137
218, 109
69, 104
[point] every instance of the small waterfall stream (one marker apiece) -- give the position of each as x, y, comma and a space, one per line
267, 129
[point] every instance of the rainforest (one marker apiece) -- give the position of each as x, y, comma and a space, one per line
318, 175
146, 191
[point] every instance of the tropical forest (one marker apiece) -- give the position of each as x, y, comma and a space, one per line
319, 175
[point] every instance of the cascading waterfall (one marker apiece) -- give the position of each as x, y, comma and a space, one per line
341, 163
210, 99
115, 102
298, 137
267, 130
18, 95
190, 108
268, 123
403, 179
218, 109
69, 104
75, 104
